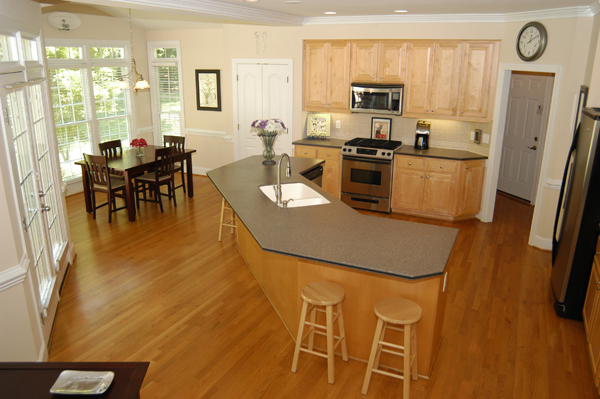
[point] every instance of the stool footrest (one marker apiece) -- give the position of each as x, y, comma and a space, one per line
392, 352
314, 352
398, 376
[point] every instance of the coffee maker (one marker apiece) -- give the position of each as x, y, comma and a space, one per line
422, 135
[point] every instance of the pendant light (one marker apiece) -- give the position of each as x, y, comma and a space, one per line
133, 77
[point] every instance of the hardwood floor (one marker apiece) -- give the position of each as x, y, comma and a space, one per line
163, 289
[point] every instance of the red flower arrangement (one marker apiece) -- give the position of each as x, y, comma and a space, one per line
139, 143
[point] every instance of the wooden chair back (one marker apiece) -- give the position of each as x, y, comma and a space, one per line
98, 172
163, 164
178, 142
111, 148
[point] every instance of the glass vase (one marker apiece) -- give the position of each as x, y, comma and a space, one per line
268, 139
139, 152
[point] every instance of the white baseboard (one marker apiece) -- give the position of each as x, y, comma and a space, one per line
540, 242
196, 170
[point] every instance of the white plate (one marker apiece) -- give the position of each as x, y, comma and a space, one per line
71, 382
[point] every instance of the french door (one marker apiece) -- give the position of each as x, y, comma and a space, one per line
35, 178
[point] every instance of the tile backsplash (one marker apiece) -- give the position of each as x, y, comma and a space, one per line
444, 133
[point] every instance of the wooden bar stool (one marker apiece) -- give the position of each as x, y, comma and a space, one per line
231, 223
395, 311
318, 295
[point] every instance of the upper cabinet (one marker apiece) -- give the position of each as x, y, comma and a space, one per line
443, 79
433, 78
378, 61
478, 80
327, 76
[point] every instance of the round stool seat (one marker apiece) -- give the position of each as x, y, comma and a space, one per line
398, 311
323, 293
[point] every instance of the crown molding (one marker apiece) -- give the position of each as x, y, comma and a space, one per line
211, 7
557, 13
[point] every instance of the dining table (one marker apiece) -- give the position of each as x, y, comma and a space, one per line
131, 164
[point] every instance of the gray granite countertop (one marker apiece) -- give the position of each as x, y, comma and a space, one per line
332, 233
445, 153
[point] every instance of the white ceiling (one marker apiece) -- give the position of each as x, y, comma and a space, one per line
177, 14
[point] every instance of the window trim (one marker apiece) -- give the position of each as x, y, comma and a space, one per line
166, 62
86, 62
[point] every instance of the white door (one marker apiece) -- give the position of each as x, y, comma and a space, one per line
35, 180
526, 122
263, 92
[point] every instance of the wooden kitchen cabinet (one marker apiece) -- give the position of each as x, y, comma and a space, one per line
433, 78
478, 80
378, 61
331, 168
591, 319
437, 188
326, 76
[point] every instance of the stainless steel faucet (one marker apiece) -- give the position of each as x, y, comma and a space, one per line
287, 173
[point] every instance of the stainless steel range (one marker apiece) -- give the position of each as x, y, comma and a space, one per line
367, 166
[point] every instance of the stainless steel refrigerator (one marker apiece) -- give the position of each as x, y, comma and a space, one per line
577, 221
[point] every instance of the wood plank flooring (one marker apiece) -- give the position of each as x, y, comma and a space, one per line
164, 290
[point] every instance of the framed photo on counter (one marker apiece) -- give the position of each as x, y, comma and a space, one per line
208, 89
381, 128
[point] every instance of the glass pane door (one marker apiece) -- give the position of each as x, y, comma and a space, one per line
36, 190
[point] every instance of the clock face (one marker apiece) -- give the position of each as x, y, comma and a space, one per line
531, 41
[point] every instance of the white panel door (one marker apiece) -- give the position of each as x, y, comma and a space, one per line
250, 108
263, 92
526, 121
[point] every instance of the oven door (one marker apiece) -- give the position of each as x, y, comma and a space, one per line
370, 177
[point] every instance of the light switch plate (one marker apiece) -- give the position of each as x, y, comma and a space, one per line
472, 135
486, 138
338, 124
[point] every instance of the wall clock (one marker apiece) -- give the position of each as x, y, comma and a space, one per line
531, 41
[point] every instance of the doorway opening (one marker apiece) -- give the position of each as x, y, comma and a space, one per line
505, 72
526, 122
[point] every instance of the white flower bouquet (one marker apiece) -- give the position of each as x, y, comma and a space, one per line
271, 126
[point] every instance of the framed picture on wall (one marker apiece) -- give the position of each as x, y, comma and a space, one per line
208, 89
381, 128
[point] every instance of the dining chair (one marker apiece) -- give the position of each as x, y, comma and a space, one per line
101, 182
112, 149
178, 142
163, 174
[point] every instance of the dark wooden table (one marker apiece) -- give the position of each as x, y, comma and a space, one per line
131, 165
33, 380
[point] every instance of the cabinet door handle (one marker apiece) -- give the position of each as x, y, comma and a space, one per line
461, 112
421, 176
328, 155
441, 167
466, 167
427, 177
373, 77
410, 163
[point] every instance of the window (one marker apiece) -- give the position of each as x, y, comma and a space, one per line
166, 88
88, 107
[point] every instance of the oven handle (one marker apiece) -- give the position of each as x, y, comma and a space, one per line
370, 160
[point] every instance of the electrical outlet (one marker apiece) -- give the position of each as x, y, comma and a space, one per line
338, 124
486, 138
477, 136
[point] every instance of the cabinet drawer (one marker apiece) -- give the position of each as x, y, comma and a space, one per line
305, 151
438, 165
410, 163
328, 153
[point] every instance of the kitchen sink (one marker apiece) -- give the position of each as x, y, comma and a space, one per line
300, 193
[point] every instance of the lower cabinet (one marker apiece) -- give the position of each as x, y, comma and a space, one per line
437, 188
591, 317
331, 168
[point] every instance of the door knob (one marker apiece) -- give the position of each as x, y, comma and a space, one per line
45, 208
533, 148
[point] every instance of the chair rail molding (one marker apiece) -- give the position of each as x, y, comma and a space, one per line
14, 275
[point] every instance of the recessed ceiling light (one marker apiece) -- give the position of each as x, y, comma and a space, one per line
293, 1
330, 12
401, 11
251, 1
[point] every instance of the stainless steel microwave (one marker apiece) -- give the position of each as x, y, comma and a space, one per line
376, 98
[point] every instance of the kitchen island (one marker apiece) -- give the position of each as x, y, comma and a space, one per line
373, 258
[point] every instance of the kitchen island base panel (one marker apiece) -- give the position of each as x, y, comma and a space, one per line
282, 277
